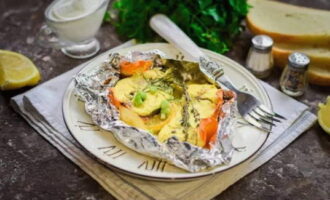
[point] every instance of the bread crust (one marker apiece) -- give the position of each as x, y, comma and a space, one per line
309, 39
319, 69
318, 78
320, 40
281, 56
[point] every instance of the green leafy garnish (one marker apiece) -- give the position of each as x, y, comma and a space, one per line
212, 24
164, 109
107, 17
139, 98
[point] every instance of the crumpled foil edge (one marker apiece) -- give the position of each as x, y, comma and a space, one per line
92, 86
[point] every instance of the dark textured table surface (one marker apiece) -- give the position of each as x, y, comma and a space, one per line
31, 168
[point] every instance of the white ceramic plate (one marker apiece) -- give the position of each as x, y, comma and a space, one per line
106, 149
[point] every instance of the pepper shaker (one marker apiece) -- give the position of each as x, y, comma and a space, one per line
294, 77
260, 60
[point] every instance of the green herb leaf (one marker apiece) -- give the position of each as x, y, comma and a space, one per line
204, 3
213, 13
107, 17
139, 98
164, 109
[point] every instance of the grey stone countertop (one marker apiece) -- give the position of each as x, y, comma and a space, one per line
31, 168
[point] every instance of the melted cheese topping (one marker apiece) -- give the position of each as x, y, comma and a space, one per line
203, 103
203, 98
151, 103
203, 91
125, 88
154, 73
175, 128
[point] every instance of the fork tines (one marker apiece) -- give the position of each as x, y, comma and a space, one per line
263, 118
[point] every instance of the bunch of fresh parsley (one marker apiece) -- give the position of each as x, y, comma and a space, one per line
212, 24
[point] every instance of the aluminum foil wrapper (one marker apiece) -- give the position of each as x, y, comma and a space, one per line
92, 87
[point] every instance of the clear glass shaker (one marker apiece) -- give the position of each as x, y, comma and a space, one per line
260, 60
294, 77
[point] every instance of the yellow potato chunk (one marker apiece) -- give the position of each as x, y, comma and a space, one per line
175, 128
203, 101
151, 103
125, 88
205, 108
203, 91
131, 118
153, 73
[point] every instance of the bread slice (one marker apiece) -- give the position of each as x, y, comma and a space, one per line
288, 23
319, 68
319, 75
319, 55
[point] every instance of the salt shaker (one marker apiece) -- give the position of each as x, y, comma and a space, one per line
260, 60
293, 79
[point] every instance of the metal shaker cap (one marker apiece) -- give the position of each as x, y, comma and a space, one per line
262, 42
299, 60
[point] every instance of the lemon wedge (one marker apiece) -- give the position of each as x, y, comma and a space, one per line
324, 115
16, 71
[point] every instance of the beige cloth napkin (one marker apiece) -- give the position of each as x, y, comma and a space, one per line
41, 107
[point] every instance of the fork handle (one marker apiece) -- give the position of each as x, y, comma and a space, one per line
224, 80
169, 31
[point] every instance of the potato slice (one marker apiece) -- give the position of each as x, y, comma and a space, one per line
131, 118
154, 73
155, 123
151, 103
175, 128
203, 91
125, 88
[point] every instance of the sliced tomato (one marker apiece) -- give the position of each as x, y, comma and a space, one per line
208, 126
130, 68
113, 99
207, 129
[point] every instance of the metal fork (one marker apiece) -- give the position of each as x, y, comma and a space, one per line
249, 107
